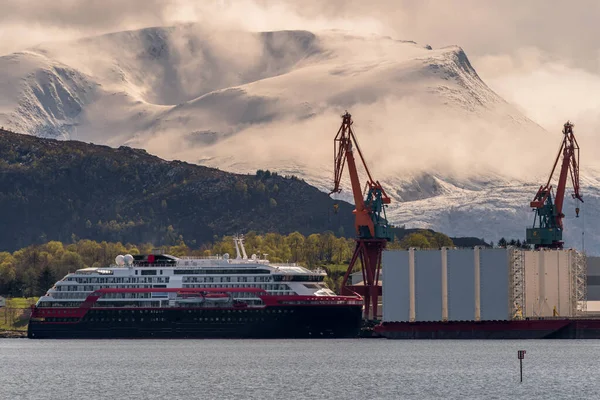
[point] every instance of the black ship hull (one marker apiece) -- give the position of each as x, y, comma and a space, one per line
327, 321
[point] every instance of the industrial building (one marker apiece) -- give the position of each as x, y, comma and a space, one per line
482, 284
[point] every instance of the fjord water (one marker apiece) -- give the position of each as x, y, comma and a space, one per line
297, 369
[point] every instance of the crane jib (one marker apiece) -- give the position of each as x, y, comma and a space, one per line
548, 222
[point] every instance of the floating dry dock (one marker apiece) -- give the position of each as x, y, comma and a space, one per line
485, 293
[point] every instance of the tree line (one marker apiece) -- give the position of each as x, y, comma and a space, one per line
503, 243
32, 270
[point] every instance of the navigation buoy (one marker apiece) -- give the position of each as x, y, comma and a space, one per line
521, 356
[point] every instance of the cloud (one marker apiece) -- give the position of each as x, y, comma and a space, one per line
543, 57
568, 30
550, 91
31, 22
400, 138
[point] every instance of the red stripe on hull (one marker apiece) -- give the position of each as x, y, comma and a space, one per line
267, 299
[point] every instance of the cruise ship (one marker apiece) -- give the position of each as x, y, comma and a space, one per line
162, 296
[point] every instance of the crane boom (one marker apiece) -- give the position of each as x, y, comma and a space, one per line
548, 211
372, 229
369, 214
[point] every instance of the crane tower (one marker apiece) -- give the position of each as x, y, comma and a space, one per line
547, 227
372, 229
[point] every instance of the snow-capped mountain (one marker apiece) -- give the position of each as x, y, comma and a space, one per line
453, 155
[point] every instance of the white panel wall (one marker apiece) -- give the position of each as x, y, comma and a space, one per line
547, 283
428, 285
395, 286
549, 287
494, 283
461, 285
448, 284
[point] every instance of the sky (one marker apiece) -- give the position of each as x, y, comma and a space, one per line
543, 56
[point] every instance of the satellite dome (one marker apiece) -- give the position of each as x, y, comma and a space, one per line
128, 259
226, 256
253, 256
119, 260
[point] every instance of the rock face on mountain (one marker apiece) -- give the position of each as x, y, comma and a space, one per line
61, 190
454, 156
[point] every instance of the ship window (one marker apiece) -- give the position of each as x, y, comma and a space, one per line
136, 271
149, 272
219, 271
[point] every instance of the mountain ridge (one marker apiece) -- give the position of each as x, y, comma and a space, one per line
454, 155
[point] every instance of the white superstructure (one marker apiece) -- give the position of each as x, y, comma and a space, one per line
165, 271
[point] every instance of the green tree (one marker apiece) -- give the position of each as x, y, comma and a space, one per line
342, 250
328, 241
415, 240
46, 280
8, 273
312, 250
55, 248
69, 262
171, 237
241, 187
295, 242
89, 251
260, 187
180, 250
442, 240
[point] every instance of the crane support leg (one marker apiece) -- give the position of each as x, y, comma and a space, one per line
368, 251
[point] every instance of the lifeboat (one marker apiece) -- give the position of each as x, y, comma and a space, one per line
217, 297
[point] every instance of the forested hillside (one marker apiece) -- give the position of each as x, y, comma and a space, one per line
67, 190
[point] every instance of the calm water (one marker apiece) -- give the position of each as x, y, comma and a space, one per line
297, 369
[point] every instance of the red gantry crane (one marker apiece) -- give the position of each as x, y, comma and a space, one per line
372, 230
547, 227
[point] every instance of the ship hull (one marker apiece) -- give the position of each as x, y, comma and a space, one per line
522, 329
202, 323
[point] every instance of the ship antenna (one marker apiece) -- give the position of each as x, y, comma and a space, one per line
241, 239
237, 249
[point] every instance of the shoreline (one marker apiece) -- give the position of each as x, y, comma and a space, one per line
13, 334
